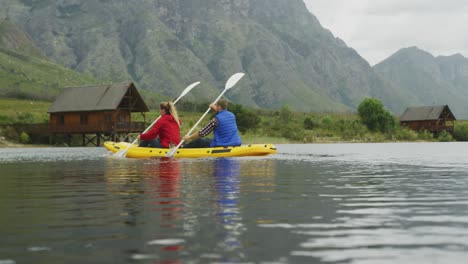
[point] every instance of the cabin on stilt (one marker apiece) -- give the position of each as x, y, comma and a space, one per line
96, 112
434, 119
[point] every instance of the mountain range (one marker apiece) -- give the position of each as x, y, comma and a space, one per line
288, 57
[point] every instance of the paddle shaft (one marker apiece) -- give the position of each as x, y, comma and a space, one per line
199, 120
184, 92
152, 124
229, 84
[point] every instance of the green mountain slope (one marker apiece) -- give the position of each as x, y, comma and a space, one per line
26, 73
288, 56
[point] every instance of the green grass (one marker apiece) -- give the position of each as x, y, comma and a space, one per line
23, 111
27, 77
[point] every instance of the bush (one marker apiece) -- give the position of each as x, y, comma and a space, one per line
24, 138
327, 122
352, 130
285, 114
5, 120
461, 132
444, 136
425, 135
309, 123
246, 119
25, 117
10, 133
406, 134
375, 116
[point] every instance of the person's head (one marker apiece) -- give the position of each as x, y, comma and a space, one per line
169, 108
222, 103
165, 107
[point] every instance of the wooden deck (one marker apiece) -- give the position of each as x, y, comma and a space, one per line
98, 128
93, 134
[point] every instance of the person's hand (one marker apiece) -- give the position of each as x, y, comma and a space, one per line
185, 138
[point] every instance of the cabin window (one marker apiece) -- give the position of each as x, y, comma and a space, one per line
61, 119
84, 119
108, 118
121, 119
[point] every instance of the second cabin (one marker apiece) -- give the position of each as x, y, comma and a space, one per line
434, 119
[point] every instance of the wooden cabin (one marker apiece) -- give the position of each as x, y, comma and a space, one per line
431, 118
104, 111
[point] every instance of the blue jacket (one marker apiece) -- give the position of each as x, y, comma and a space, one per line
225, 133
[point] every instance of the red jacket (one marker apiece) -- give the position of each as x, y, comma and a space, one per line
166, 128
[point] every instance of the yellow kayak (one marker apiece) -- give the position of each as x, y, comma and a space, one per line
240, 151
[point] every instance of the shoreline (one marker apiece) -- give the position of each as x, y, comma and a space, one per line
7, 144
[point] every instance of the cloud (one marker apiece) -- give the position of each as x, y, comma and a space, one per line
378, 28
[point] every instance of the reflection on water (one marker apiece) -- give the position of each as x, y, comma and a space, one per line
339, 203
227, 179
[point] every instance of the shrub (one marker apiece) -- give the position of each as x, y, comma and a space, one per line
309, 123
10, 133
461, 132
375, 116
24, 138
406, 134
425, 135
444, 136
327, 122
246, 119
285, 114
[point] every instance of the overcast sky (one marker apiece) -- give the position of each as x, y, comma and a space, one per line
378, 28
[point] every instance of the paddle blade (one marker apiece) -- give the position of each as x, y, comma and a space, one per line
121, 153
233, 80
171, 152
190, 87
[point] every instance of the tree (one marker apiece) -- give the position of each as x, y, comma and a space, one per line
246, 119
285, 114
375, 116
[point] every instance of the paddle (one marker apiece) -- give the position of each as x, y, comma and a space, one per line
229, 84
123, 152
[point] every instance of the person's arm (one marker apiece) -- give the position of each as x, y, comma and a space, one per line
154, 131
205, 131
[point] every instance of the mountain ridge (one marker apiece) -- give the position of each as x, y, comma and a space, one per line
289, 58
430, 80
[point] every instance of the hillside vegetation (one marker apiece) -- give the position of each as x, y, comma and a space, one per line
27, 74
256, 126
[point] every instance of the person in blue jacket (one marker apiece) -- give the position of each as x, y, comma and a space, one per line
224, 127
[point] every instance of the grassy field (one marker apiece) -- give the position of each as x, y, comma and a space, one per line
23, 111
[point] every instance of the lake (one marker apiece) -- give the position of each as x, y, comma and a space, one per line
317, 203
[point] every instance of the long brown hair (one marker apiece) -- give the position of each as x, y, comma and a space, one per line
169, 107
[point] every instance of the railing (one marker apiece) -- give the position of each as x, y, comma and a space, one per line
108, 128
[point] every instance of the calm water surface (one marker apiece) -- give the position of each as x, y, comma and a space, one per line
332, 203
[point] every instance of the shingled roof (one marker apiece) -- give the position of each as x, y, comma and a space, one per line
427, 113
97, 98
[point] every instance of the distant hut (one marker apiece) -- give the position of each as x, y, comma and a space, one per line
431, 118
103, 111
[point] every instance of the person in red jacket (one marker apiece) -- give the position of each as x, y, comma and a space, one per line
166, 131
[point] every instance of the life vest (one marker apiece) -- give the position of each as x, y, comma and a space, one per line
225, 133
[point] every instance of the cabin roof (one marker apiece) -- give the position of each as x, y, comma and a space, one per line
427, 113
97, 98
